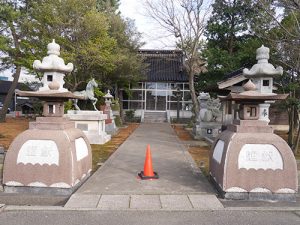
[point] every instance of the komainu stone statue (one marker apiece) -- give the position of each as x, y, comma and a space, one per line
209, 108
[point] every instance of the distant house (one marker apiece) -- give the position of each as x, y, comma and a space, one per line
4, 88
3, 78
162, 80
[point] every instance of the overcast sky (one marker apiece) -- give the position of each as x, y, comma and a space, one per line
153, 35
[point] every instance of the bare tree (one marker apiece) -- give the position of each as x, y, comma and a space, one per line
185, 20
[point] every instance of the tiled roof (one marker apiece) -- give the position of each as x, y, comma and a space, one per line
164, 65
234, 73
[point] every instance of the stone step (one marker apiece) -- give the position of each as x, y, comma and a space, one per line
155, 121
150, 114
145, 202
155, 117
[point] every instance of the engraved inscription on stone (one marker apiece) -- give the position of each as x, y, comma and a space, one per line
39, 152
260, 156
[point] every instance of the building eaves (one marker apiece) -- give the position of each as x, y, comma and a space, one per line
164, 65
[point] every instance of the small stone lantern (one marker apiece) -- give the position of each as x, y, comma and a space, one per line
110, 125
108, 98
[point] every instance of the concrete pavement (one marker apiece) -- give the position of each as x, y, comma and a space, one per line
180, 186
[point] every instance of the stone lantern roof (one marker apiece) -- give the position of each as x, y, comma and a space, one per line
108, 95
262, 68
53, 66
53, 62
250, 94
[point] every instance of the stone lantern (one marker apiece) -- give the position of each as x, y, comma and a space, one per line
52, 156
110, 125
249, 161
108, 98
107, 110
262, 74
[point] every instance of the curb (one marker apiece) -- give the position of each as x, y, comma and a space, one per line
60, 208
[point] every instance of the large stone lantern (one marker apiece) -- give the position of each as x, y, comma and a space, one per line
52, 156
249, 161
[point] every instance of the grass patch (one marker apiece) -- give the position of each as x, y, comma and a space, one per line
100, 153
297, 156
201, 158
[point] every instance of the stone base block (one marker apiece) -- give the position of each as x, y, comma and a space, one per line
207, 130
260, 196
43, 190
253, 165
41, 159
111, 128
254, 196
95, 138
92, 123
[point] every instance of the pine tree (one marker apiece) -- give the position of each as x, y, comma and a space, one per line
230, 42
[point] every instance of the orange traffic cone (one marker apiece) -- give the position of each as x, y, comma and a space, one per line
148, 169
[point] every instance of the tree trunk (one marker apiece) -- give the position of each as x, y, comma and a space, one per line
295, 149
116, 91
195, 109
291, 127
121, 106
10, 94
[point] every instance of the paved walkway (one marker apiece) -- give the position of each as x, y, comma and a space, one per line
116, 185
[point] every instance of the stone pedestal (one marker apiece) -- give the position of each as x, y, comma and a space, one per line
209, 122
110, 125
52, 156
249, 161
207, 130
92, 123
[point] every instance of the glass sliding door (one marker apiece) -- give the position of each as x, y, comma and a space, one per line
155, 100
161, 101
156, 97
150, 100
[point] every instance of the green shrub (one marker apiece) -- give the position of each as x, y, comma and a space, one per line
129, 116
68, 106
118, 121
115, 105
